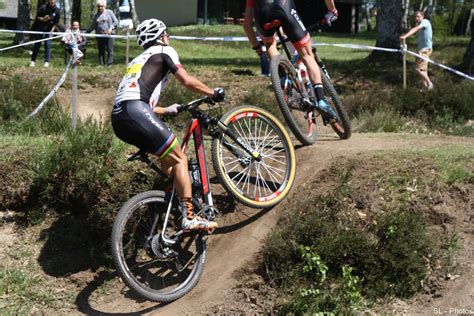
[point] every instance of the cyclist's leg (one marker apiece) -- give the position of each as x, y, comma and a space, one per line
175, 164
307, 57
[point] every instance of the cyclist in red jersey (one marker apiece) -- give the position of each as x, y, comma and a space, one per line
271, 14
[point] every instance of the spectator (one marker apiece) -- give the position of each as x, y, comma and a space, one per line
68, 40
425, 47
104, 22
46, 19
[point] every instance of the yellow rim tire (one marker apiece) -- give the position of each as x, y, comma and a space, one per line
245, 112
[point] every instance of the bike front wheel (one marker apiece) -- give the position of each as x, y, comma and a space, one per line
262, 182
153, 269
289, 92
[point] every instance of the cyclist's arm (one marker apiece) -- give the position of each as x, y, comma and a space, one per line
330, 5
192, 84
248, 28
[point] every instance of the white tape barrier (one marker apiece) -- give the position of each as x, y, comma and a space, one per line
30, 43
52, 92
457, 72
244, 39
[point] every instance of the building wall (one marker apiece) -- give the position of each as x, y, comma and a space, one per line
8, 9
174, 12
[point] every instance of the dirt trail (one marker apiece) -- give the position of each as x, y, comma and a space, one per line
244, 230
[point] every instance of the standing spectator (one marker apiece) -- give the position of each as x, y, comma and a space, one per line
425, 47
46, 20
104, 22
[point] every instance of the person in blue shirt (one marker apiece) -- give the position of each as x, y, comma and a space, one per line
425, 47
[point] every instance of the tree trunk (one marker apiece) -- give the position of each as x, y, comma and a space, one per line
406, 9
429, 9
67, 13
76, 10
468, 60
462, 24
389, 20
23, 21
135, 19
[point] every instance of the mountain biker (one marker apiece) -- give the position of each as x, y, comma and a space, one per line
134, 116
269, 15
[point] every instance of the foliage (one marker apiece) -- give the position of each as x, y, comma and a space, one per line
325, 258
444, 109
75, 168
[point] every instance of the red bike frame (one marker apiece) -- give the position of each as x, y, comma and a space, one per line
194, 128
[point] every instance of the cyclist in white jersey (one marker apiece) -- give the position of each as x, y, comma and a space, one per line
135, 116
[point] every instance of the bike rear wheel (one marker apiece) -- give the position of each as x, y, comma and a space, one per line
152, 270
289, 92
262, 183
342, 124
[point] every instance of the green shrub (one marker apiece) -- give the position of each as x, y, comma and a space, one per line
334, 262
75, 168
19, 98
387, 121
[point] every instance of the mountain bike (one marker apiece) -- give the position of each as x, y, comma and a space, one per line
254, 160
295, 94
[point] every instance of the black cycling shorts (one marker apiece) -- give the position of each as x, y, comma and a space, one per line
135, 123
269, 15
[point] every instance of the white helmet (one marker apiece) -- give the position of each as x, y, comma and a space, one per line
149, 31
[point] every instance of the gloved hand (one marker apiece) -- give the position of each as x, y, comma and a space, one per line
172, 109
219, 95
330, 17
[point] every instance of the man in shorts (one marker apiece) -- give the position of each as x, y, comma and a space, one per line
269, 15
425, 47
135, 116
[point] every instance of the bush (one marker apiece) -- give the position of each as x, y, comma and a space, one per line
75, 168
19, 98
330, 260
446, 108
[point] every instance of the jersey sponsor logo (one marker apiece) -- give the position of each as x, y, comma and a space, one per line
152, 120
296, 16
134, 69
133, 85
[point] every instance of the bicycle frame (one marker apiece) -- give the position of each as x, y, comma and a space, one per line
194, 129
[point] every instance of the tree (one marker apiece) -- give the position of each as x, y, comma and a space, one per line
76, 10
468, 60
134, 13
389, 19
406, 10
23, 20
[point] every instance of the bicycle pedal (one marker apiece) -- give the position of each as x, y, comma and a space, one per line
208, 212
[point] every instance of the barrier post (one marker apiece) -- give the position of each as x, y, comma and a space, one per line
127, 49
74, 97
404, 49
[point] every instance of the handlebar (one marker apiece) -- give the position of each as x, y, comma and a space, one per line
194, 104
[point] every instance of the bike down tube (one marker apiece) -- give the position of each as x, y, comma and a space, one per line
255, 155
201, 159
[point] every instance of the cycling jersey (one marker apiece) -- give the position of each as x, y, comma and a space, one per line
271, 14
133, 119
147, 75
